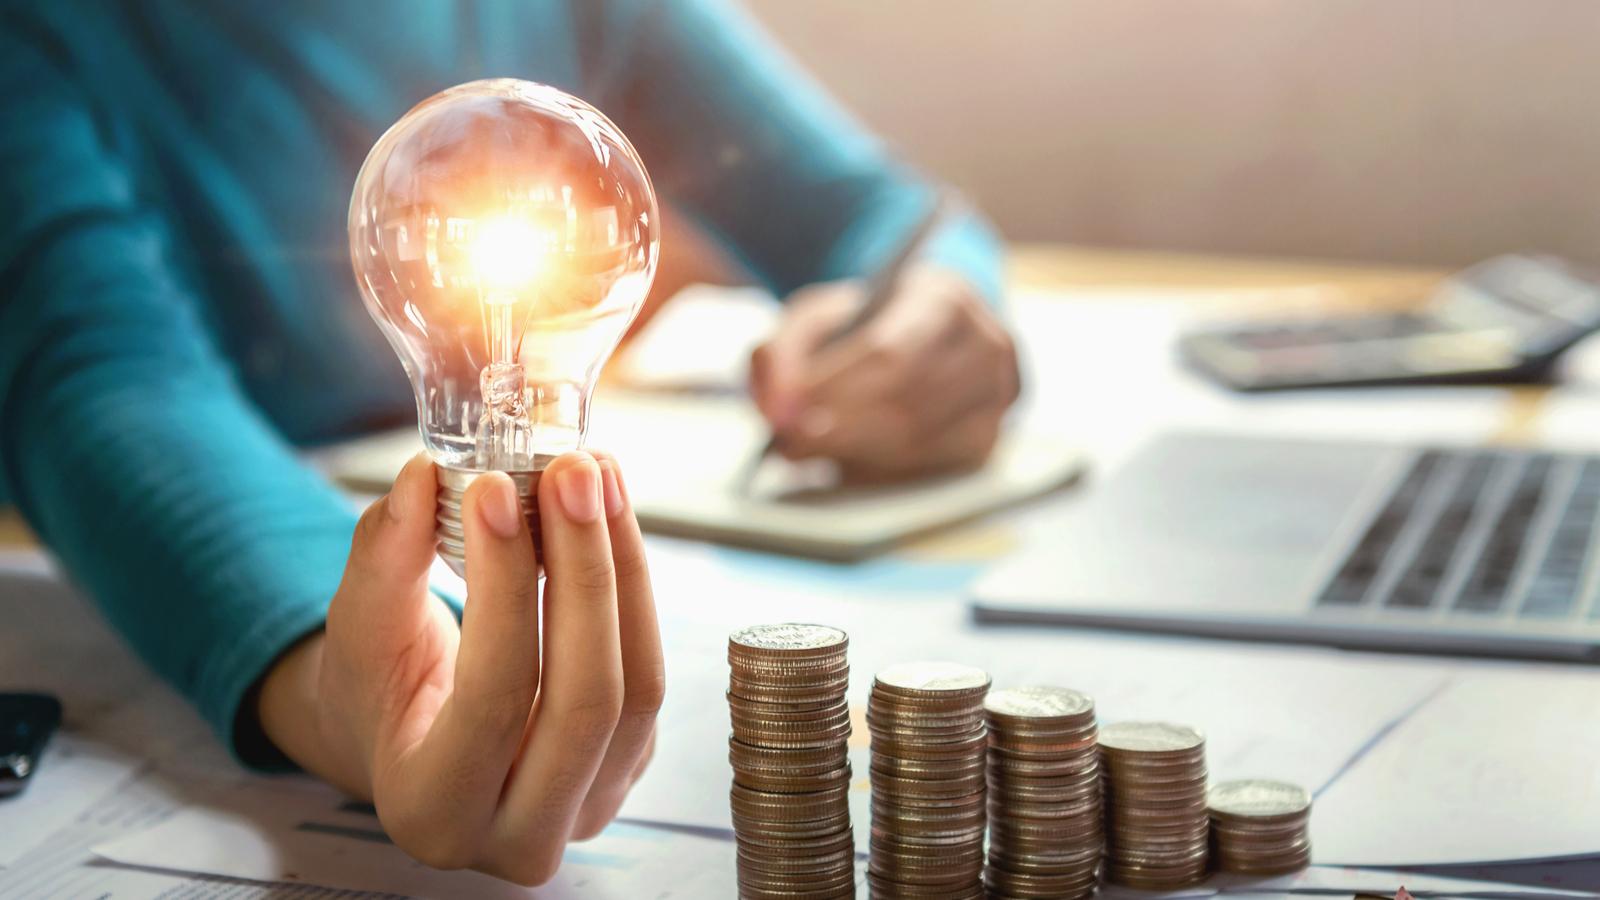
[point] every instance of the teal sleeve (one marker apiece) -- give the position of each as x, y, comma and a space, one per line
740, 138
124, 439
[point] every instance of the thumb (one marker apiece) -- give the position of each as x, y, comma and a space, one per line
386, 577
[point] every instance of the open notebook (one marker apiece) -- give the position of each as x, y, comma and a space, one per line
681, 457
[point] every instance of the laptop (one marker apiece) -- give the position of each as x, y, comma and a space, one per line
1458, 550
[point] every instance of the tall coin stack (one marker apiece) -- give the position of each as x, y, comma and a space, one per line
928, 757
1155, 797
1046, 834
1260, 827
791, 769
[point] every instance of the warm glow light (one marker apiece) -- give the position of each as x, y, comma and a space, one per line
507, 252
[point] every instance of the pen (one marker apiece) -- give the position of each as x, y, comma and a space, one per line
880, 289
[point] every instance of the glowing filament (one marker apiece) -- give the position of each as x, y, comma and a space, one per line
506, 255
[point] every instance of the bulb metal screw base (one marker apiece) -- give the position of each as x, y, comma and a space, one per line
453, 486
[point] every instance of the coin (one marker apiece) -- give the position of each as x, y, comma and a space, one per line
926, 680
1256, 798
788, 751
1260, 827
1046, 829
788, 637
1037, 703
928, 780
1149, 738
1157, 816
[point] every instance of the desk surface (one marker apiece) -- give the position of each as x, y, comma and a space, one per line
1052, 267
1046, 268
1133, 675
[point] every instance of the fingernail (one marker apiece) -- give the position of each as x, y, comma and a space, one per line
498, 506
611, 479
579, 488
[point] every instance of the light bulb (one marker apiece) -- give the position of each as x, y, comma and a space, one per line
504, 234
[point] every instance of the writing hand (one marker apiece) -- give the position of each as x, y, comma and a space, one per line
921, 388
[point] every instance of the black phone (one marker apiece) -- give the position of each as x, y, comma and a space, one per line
1504, 320
26, 723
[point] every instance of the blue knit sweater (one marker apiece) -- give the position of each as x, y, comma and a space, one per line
176, 306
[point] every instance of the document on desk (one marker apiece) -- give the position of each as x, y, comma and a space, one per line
63, 867
74, 775
1299, 714
1502, 765
116, 717
1103, 373
1382, 882
301, 832
700, 342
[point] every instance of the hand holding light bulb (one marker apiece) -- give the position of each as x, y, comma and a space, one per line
504, 235
488, 745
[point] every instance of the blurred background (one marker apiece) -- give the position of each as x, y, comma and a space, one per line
1415, 131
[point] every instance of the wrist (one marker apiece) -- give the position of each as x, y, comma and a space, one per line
287, 709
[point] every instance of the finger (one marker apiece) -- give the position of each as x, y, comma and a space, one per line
582, 687
968, 444
644, 760
847, 385
958, 385
448, 783
881, 369
643, 669
921, 377
868, 395
926, 317
780, 366
384, 589
962, 447
497, 666
929, 431
904, 434
973, 372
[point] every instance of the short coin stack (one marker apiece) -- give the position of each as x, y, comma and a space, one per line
1155, 781
1046, 834
791, 770
928, 760
1260, 827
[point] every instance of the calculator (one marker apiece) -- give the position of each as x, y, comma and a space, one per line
1504, 320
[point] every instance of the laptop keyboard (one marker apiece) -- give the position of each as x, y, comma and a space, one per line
1480, 533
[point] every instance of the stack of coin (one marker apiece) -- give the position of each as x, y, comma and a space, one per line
1046, 835
1155, 797
928, 758
1260, 827
791, 769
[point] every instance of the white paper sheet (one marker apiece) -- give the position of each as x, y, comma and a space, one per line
1103, 373
701, 341
1295, 713
62, 867
116, 717
79, 772
1503, 765
1581, 874
1348, 880
300, 832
